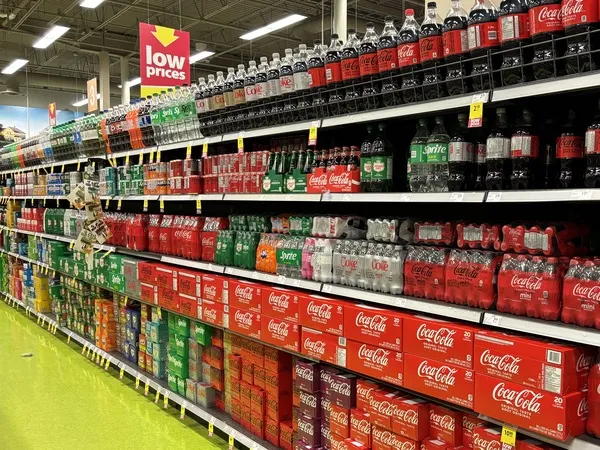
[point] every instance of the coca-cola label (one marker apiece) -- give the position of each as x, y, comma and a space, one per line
367, 60
411, 418
350, 68
486, 439
322, 314
212, 312
383, 364
456, 42
409, 54
575, 12
280, 333
430, 48
483, 35
445, 424
342, 390
316, 77
460, 152
339, 421
545, 19
322, 346
385, 439
212, 288
245, 322
569, 147
382, 407
387, 58
245, 295
309, 430
333, 72
469, 423
360, 426
373, 326
280, 303
514, 27
364, 392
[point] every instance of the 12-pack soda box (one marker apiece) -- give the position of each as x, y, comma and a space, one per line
375, 326
411, 418
322, 314
243, 321
280, 333
376, 362
323, 346
245, 295
280, 303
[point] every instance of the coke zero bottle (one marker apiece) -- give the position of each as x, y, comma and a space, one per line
316, 71
548, 155
387, 59
460, 157
351, 67
545, 26
569, 153
367, 60
579, 17
409, 58
592, 152
524, 154
513, 25
498, 153
456, 46
483, 39
333, 68
432, 51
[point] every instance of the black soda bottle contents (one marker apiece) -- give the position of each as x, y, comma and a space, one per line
569, 153
387, 58
548, 155
367, 61
409, 58
460, 157
483, 39
524, 153
513, 25
333, 68
498, 153
578, 18
351, 67
431, 49
456, 46
592, 152
480, 150
545, 26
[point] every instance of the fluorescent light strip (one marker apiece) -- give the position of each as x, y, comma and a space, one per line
84, 101
282, 23
14, 66
134, 82
55, 32
200, 55
90, 3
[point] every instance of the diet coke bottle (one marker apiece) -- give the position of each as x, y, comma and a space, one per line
569, 153
483, 38
409, 57
456, 46
286, 74
579, 17
387, 57
301, 79
524, 154
432, 51
367, 60
545, 23
513, 25
333, 67
460, 157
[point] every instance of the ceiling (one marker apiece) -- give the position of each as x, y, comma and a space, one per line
112, 26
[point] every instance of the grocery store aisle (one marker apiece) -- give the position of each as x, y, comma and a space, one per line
58, 399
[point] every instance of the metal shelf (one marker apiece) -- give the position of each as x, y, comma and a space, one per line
200, 265
275, 279
407, 197
273, 197
268, 131
549, 195
192, 197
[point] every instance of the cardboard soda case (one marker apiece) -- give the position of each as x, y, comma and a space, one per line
469, 423
280, 333
280, 303
189, 283
385, 365
445, 424
487, 438
214, 288
360, 426
322, 314
382, 407
244, 322
383, 439
411, 418
323, 346
375, 326
245, 295
212, 312
364, 392
339, 421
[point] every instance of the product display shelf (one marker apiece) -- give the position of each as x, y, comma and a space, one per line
108, 248
273, 197
536, 196
220, 420
82, 160
407, 197
268, 131
275, 279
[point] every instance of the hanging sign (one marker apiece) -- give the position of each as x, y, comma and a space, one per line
52, 114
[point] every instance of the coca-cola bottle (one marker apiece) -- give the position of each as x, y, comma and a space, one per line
409, 58
333, 68
301, 79
579, 17
569, 153
545, 25
262, 88
250, 88
316, 71
286, 82
480, 150
593, 398
498, 153
524, 153
483, 39
274, 87
387, 59
432, 51
460, 157
592, 152
548, 155
350, 67
367, 60
228, 88
513, 25
218, 101
456, 46
239, 96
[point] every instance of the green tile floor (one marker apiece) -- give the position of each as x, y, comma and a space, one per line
58, 399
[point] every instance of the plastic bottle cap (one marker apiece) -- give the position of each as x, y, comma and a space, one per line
408, 12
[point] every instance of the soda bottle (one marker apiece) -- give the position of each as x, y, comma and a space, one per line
545, 26
273, 76
579, 18
250, 83
524, 154
228, 97
350, 64
333, 66
498, 153
569, 153
409, 57
592, 152
366, 162
218, 100
513, 27
316, 67
387, 57
432, 51
239, 96
483, 38
456, 46
354, 159
367, 59
460, 157
382, 162
286, 73
262, 88
417, 174
593, 399
437, 157
301, 79
548, 155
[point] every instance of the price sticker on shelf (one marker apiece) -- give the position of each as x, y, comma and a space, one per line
211, 428
232, 441
62, 169
71, 245
119, 204
476, 110
69, 338
166, 400
97, 358
147, 387
38, 321
145, 205
127, 160
83, 349
159, 312
78, 166
158, 156
182, 411
205, 150
107, 365
121, 373
87, 354
102, 361
508, 436
107, 203
51, 169
141, 160
157, 396
312, 135
198, 206
151, 160
162, 206
188, 152
240, 143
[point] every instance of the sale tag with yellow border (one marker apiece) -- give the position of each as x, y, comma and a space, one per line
509, 435
188, 152
166, 400
205, 150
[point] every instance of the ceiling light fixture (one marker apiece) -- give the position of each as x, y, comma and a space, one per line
55, 32
14, 66
90, 3
200, 56
134, 82
84, 101
282, 23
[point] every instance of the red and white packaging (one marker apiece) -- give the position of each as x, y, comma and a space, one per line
487, 438
339, 421
385, 365
213, 287
280, 333
310, 403
212, 312
327, 373
245, 295
382, 407
445, 424
188, 306
469, 423
555, 416
375, 326
309, 430
434, 444
280, 303
342, 390
323, 346
364, 392
322, 314
383, 439
424, 272
411, 418
166, 277
439, 339
556, 368
307, 375
190, 283
436, 379
243, 322
360, 426
339, 443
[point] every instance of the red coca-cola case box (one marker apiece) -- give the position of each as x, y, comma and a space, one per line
411, 418
360, 426
385, 365
445, 424
439, 339
486, 437
276, 360
166, 277
309, 430
280, 303
339, 421
244, 322
212, 312
322, 313
214, 288
281, 333
439, 380
188, 306
364, 392
382, 407
342, 389
383, 439
149, 293
434, 444
469, 423
245, 295
189, 283
555, 416
375, 326
310, 403
327, 373
147, 272
307, 375
337, 180
323, 346
168, 299
556, 368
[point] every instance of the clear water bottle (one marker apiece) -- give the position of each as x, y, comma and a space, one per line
437, 157
301, 78
179, 116
417, 166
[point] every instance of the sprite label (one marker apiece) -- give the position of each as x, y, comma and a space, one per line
437, 152
417, 154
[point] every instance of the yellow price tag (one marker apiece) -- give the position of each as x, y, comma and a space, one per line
476, 114
84, 349
146, 205
137, 381
312, 136
231, 442
211, 429
121, 373
141, 161
162, 206
78, 165
166, 400
119, 204
159, 312
102, 361
107, 203
38, 322
509, 435
71, 245
107, 365
182, 412
151, 156
241, 144
89, 350
57, 202
198, 204
188, 152
147, 388
97, 358
69, 339
127, 160
158, 156
205, 150
62, 169
157, 396
51, 169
